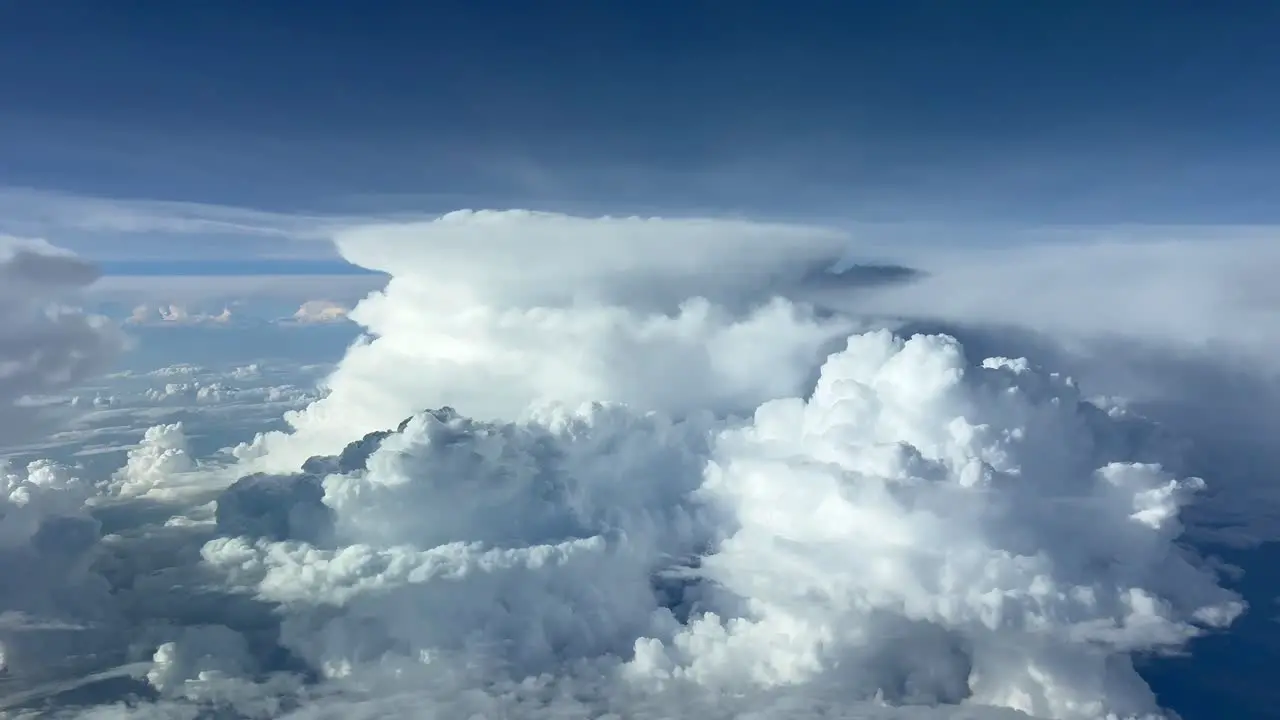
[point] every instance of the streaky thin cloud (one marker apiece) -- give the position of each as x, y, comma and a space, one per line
1206, 288
51, 209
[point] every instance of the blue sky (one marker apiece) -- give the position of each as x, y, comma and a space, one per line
1082, 112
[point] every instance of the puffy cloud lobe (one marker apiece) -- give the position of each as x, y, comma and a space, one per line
935, 510
455, 536
160, 455
198, 663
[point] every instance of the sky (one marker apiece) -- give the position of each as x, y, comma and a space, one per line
884, 361
1088, 111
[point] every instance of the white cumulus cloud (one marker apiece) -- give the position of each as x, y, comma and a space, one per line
160, 455
319, 311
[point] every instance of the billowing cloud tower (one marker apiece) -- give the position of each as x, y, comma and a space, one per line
628, 481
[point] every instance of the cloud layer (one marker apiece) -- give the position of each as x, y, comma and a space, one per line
628, 468
1209, 290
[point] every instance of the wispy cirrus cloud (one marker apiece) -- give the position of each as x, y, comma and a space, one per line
104, 228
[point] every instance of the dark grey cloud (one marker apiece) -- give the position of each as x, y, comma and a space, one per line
45, 344
47, 271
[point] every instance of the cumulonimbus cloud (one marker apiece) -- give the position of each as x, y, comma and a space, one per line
678, 477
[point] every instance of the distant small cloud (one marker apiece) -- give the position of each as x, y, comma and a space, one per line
174, 314
320, 311
217, 291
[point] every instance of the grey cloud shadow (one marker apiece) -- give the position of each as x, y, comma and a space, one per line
157, 586
43, 270
861, 276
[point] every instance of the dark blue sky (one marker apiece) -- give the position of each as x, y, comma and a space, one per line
1081, 111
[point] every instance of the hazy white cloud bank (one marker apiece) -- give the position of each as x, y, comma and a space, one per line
1211, 291
45, 343
46, 537
681, 473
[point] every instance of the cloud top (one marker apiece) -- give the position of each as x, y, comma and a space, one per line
498, 311
538, 258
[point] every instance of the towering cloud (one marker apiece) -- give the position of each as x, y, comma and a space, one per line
922, 527
491, 312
